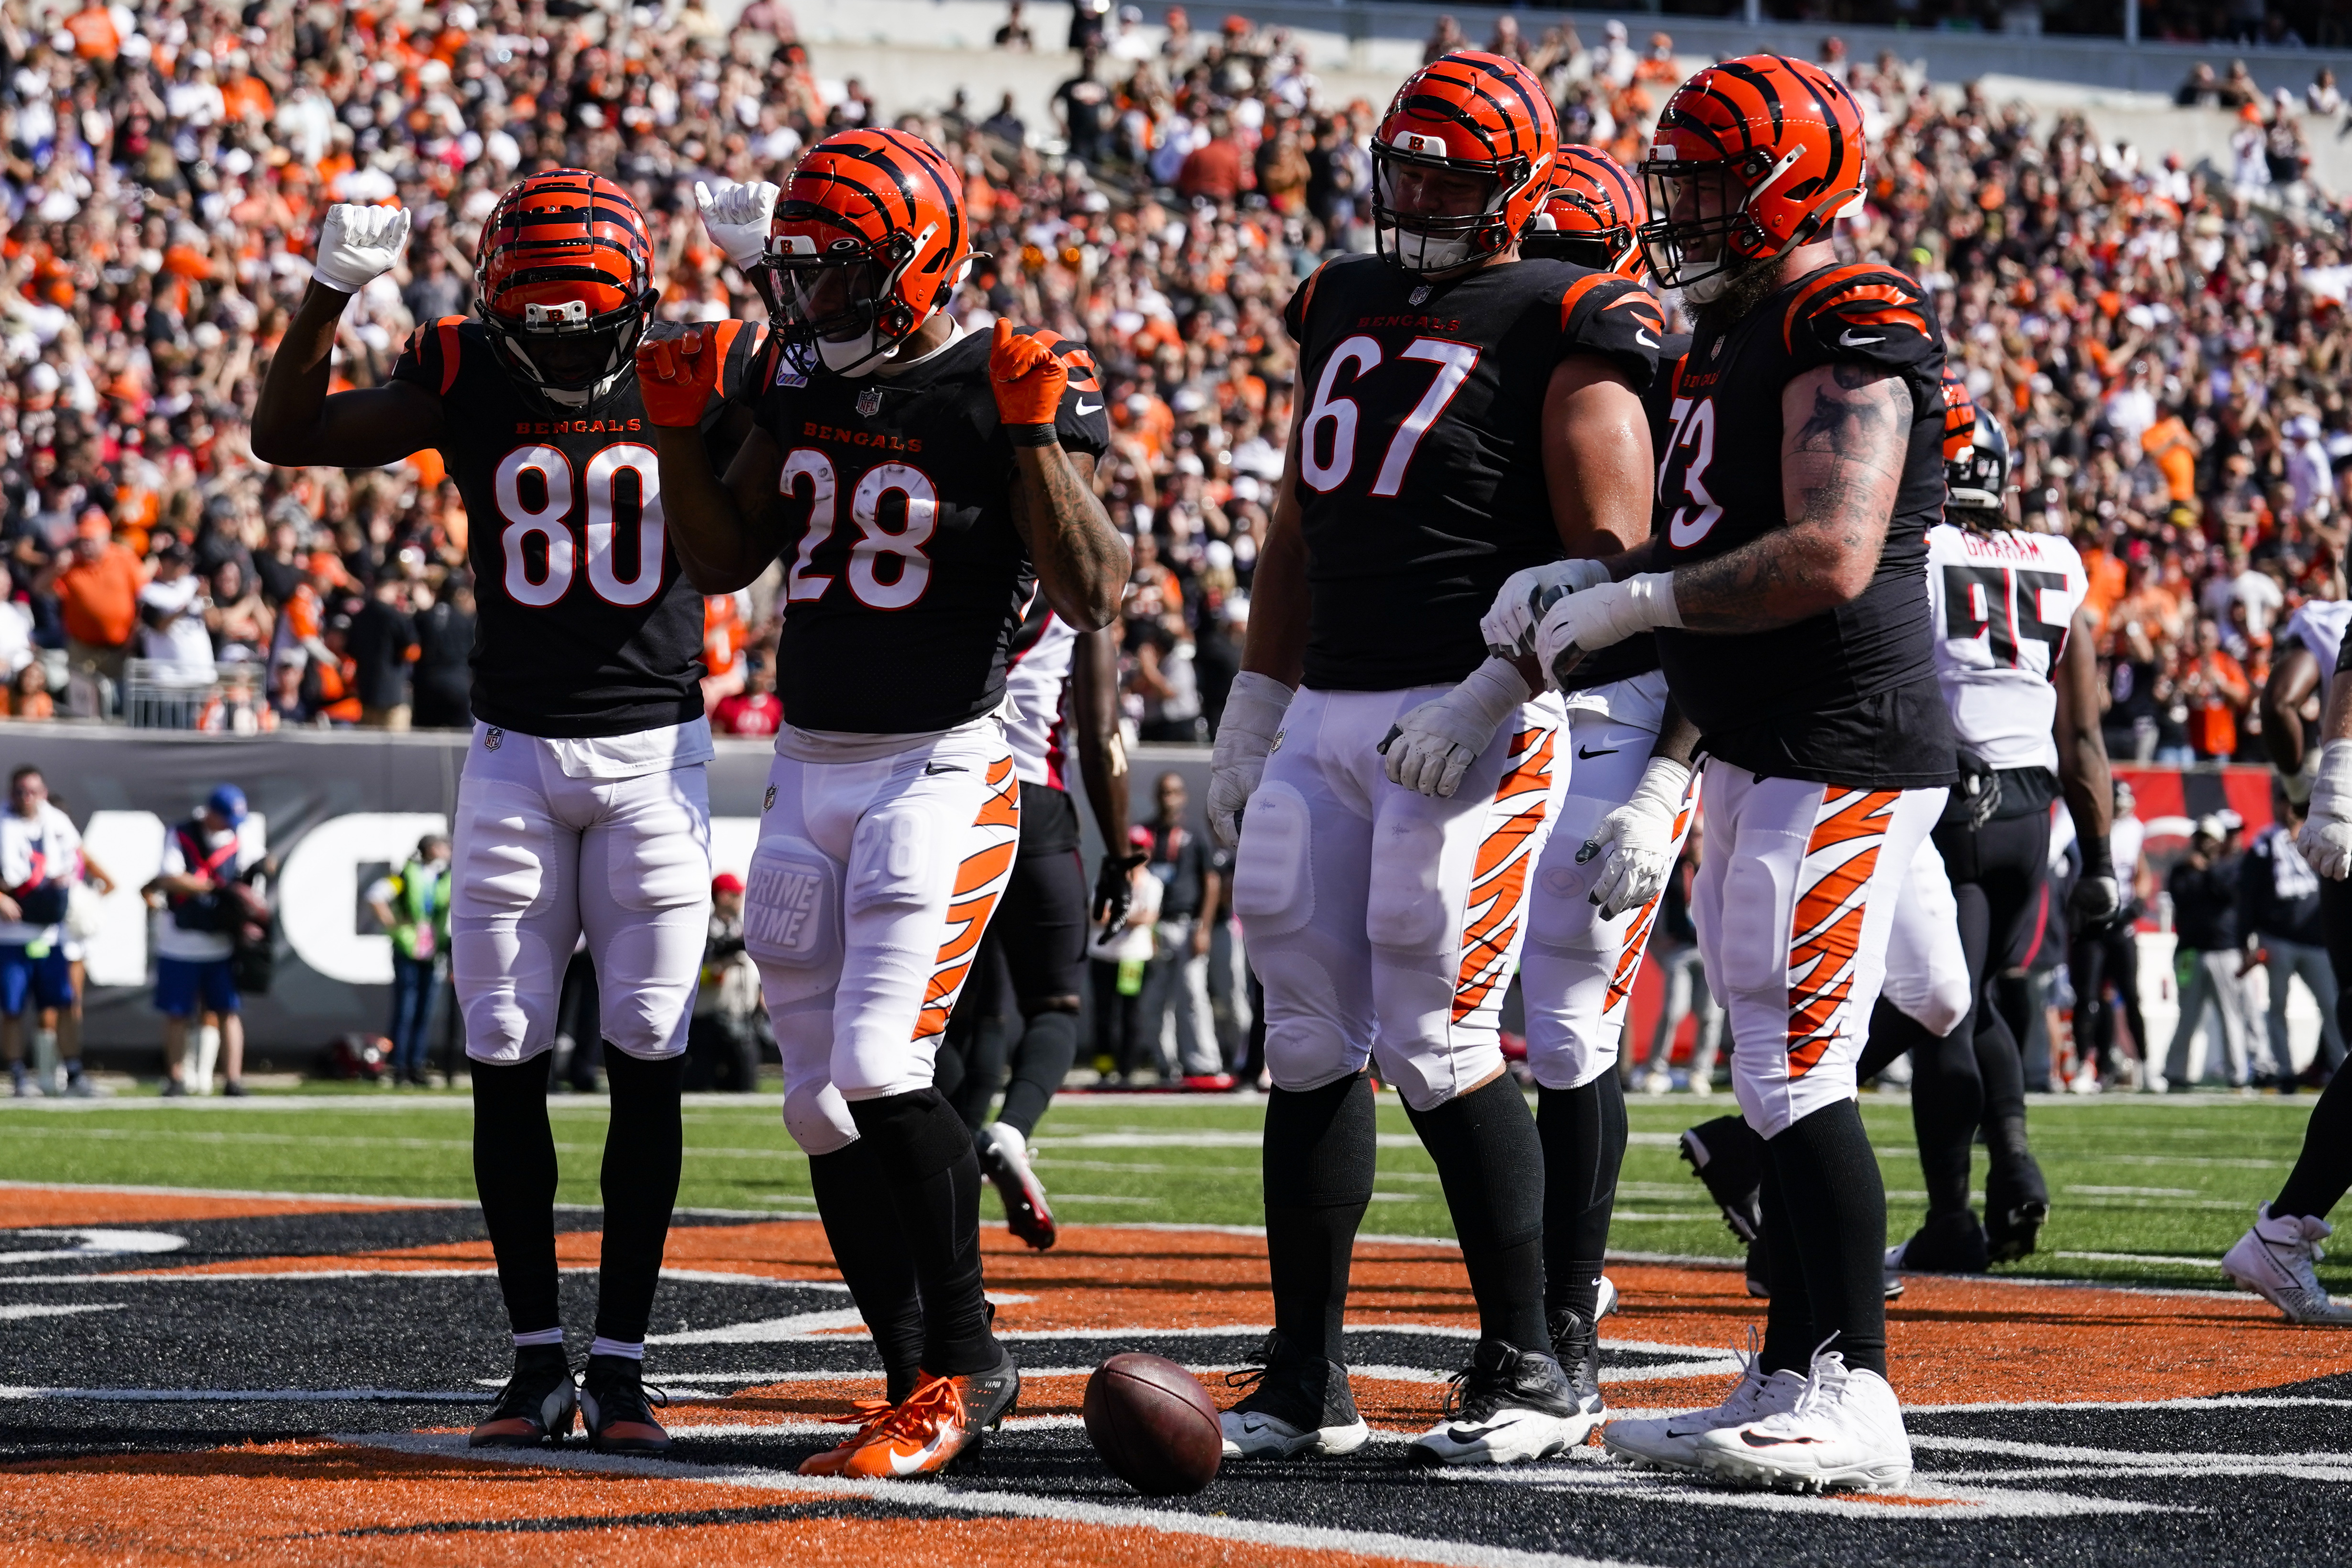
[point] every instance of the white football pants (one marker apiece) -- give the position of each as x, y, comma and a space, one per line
871, 887
541, 858
1384, 924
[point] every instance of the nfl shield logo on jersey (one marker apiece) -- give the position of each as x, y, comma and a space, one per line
769, 803
494, 738
1420, 296
869, 403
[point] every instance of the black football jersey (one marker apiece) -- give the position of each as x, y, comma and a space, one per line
585, 625
1421, 484
1849, 696
905, 580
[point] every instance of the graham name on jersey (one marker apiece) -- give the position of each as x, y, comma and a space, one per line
2004, 546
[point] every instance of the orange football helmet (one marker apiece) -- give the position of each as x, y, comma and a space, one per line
868, 243
1752, 158
1591, 215
1471, 132
1959, 417
563, 282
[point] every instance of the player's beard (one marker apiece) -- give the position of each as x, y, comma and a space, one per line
1748, 286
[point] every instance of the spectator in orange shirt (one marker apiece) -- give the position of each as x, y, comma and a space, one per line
724, 638
97, 596
2174, 451
2214, 687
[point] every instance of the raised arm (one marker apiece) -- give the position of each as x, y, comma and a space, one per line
725, 530
1081, 560
296, 424
2082, 775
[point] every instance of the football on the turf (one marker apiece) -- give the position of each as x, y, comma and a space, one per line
1153, 1424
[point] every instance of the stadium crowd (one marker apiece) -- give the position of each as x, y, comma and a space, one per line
2168, 340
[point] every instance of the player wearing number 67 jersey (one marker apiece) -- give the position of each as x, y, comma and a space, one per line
583, 806
922, 485
1461, 415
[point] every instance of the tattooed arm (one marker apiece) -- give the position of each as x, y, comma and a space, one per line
1082, 563
1846, 430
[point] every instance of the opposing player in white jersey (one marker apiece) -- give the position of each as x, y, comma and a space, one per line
2015, 656
1017, 1023
583, 806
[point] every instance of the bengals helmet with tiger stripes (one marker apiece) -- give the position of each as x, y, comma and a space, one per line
1752, 158
564, 283
1591, 215
1959, 417
868, 243
1465, 114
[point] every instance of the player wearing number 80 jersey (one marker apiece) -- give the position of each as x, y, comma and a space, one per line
922, 487
583, 807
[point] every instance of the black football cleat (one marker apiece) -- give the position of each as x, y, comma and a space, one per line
617, 1408
1508, 1406
1297, 1404
1946, 1244
1576, 1345
537, 1405
2017, 1202
1726, 1154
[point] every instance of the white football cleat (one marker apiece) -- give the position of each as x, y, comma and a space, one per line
1298, 1403
1845, 1432
1508, 1406
1671, 1442
2277, 1259
1004, 1160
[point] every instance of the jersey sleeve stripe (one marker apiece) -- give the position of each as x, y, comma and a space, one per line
446, 331
1575, 293
1813, 290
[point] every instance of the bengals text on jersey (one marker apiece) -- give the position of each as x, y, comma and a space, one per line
1420, 481
586, 627
1847, 696
905, 580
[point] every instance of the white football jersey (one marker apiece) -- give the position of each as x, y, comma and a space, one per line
1035, 680
2319, 626
2001, 604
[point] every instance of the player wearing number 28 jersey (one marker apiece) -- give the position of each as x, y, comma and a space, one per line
583, 807
921, 485
1462, 414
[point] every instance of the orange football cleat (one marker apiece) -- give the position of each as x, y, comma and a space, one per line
865, 1415
943, 1419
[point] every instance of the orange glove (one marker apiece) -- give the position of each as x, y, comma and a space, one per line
678, 369
1028, 382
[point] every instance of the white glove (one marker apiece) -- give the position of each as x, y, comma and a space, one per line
2325, 840
736, 219
1509, 627
358, 245
1431, 747
1245, 732
1638, 840
1601, 617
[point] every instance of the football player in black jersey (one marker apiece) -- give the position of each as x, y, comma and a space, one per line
923, 485
1462, 414
583, 806
1624, 757
1787, 589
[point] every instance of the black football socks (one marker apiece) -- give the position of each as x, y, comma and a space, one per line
1583, 1135
861, 1221
1825, 1224
1320, 1148
1491, 1163
1041, 1060
643, 1147
2323, 1170
924, 1155
514, 1172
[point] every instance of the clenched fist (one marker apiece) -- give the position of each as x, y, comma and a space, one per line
678, 368
1028, 382
359, 245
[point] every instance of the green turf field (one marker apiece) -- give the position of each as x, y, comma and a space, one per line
2150, 1190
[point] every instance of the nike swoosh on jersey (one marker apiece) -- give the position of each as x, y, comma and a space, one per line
933, 769
1085, 407
1646, 340
1585, 754
1856, 340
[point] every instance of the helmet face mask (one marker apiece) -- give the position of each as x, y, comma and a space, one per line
867, 245
1460, 163
1701, 237
1977, 477
564, 286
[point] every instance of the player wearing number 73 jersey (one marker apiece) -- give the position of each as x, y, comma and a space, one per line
1462, 414
922, 485
583, 807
